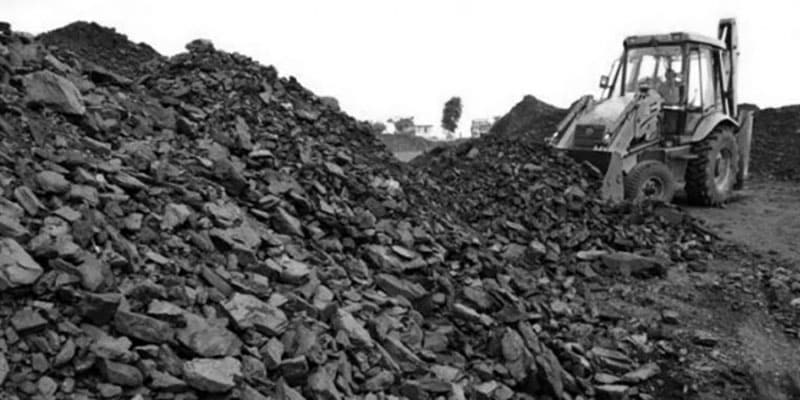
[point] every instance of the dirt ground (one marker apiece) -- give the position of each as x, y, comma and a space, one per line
406, 156
765, 216
737, 334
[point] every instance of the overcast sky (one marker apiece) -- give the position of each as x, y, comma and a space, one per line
407, 57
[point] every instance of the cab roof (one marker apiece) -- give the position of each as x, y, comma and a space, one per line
672, 38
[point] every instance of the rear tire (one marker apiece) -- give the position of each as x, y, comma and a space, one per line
711, 176
650, 180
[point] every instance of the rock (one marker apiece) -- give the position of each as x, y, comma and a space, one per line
394, 286
4, 368
68, 214
127, 181
242, 237
100, 75
108, 391
209, 340
403, 356
294, 369
612, 392
84, 193
248, 311
293, 271
113, 348
247, 392
381, 381
175, 215
795, 302
479, 297
212, 375
17, 268
47, 386
121, 374
286, 223
133, 222
517, 358
642, 374
52, 182
49, 89
253, 368
28, 200
200, 46
166, 382
142, 327
633, 264
66, 353
99, 307
39, 363
320, 384
704, 338
344, 321
10, 227
27, 321
94, 273
286, 392
670, 316
272, 353
10, 209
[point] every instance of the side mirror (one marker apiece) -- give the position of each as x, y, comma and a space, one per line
604, 82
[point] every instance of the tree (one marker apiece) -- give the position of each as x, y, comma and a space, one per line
404, 126
451, 114
377, 127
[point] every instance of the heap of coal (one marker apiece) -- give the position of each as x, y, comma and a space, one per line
776, 142
212, 229
530, 116
89, 42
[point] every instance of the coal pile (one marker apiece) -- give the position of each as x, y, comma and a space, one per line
517, 189
776, 143
538, 211
530, 116
209, 229
89, 42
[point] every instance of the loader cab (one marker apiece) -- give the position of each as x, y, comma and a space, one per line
685, 69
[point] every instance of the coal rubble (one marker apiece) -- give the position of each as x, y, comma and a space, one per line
208, 229
776, 143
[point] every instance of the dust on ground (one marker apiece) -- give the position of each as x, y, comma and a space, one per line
764, 217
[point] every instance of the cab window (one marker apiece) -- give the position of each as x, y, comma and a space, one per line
707, 79
694, 93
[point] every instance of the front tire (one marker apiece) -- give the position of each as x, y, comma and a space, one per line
710, 177
650, 180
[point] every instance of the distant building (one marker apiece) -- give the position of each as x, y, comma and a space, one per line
423, 130
480, 126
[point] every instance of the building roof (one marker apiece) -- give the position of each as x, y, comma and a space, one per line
672, 38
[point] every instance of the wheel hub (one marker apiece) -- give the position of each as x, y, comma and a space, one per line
653, 188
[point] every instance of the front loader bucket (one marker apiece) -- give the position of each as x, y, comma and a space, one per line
608, 166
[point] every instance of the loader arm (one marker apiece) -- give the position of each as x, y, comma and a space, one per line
728, 34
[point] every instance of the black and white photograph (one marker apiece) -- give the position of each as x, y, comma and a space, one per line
399, 200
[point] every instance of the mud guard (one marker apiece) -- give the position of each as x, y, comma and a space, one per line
744, 136
608, 166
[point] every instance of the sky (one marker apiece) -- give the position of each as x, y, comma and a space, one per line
383, 58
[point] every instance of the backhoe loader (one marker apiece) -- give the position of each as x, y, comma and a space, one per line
667, 118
